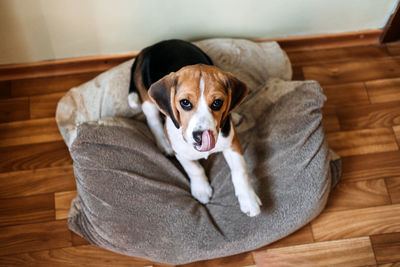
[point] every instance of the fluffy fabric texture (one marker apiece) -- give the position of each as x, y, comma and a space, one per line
135, 201
107, 94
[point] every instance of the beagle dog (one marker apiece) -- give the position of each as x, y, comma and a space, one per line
179, 80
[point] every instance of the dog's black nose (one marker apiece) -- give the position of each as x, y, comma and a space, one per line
197, 136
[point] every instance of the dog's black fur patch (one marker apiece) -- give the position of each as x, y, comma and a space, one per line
165, 57
226, 127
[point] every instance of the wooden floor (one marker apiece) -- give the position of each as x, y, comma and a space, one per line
359, 227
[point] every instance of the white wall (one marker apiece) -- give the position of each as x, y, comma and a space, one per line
36, 30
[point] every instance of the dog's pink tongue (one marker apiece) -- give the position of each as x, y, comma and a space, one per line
207, 141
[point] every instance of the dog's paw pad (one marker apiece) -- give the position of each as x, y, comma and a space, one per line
201, 191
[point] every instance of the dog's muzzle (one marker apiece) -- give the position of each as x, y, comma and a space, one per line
205, 140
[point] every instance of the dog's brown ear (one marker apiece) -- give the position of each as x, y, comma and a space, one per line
162, 93
238, 91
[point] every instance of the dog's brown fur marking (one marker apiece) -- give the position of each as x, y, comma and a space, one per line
236, 145
185, 84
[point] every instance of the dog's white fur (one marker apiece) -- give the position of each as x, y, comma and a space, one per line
156, 126
203, 119
200, 187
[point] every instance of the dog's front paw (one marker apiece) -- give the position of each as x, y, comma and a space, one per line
250, 203
201, 190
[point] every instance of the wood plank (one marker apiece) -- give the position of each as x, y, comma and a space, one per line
88, 256
353, 71
355, 223
355, 195
359, 142
327, 41
62, 67
239, 260
393, 48
14, 109
393, 185
62, 203
36, 182
369, 116
350, 94
36, 156
396, 130
24, 210
34, 237
329, 110
298, 74
386, 247
372, 166
382, 91
330, 123
392, 264
29, 132
349, 252
44, 106
48, 85
5, 89
77, 240
304, 58
300, 237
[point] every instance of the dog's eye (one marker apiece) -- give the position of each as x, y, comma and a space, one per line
217, 104
186, 105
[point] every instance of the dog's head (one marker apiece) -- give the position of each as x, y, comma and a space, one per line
198, 99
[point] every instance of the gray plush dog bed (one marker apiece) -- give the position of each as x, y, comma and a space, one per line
135, 201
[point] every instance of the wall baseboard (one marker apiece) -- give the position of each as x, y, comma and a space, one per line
62, 66
102, 63
327, 41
